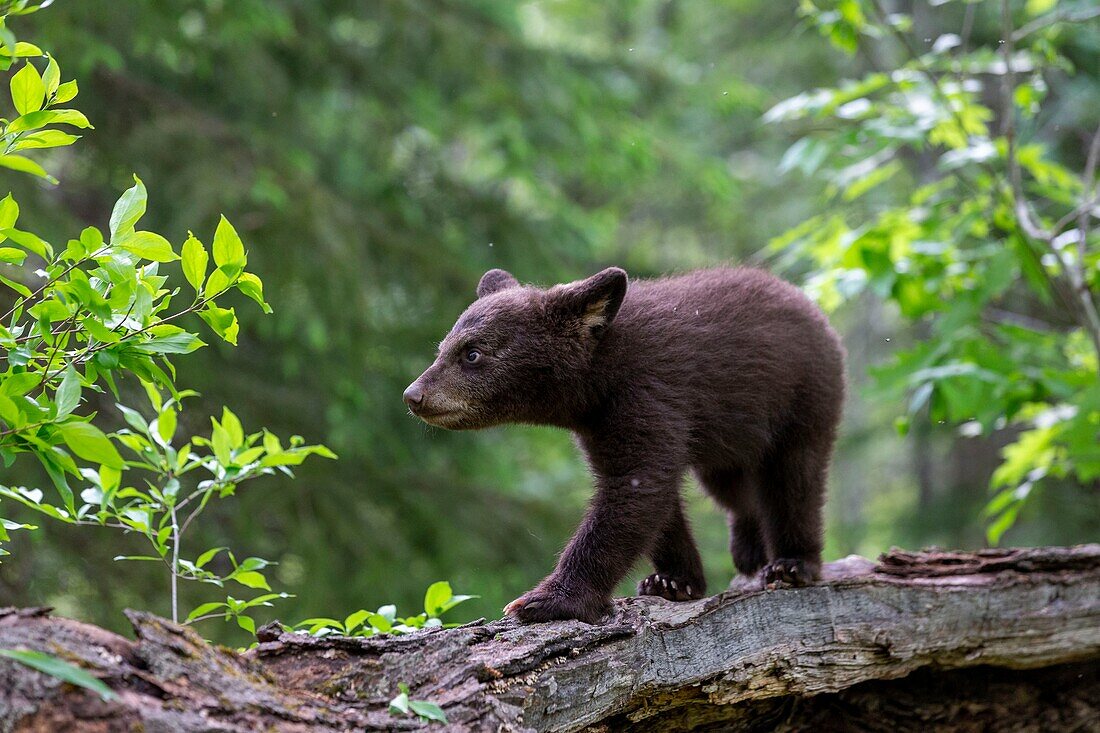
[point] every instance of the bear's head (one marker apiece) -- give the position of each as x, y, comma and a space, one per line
518, 353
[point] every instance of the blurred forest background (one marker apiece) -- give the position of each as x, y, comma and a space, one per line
377, 157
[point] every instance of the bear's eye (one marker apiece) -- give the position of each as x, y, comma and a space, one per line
473, 356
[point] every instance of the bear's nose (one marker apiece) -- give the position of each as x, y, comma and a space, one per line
414, 395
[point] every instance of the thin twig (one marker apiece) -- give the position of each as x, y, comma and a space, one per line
1084, 227
1081, 297
51, 281
1088, 199
967, 27
194, 307
1000, 316
187, 522
175, 565
1063, 16
29, 426
1008, 132
56, 347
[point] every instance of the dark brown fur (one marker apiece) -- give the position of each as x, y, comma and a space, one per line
732, 373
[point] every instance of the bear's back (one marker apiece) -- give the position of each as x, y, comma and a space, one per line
736, 354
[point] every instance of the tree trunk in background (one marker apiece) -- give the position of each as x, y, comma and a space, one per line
994, 640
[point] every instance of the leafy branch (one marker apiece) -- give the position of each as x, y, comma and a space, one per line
104, 313
983, 239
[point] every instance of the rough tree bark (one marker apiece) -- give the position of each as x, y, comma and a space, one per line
994, 640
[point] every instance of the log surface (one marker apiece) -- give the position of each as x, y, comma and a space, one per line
938, 638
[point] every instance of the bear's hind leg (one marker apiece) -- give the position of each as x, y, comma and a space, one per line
735, 491
746, 543
791, 500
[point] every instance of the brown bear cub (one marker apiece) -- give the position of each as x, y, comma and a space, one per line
732, 373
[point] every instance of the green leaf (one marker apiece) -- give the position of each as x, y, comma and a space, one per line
9, 212
265, 599
428, 710
134, 418
12, 256
25, 165
228, 248
17, 287
454, 601
148, 246
233, 428
91, 238
355, 619
60, 669
36, 120
1002, 524
169, 339
219, 441
203, 609
208, 556
318, 623
68, 393
89, 442
51, 78
219, 281
380, 622
437, 594
251, 286
27, 89
45, 139
17, 385
9, 412
247, 624
195, 261
128, 209
24, 49
223, 321
29, 241
66, 92
50, 311
252, 579
166, 426
400, 704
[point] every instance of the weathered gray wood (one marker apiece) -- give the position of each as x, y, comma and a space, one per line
884, 633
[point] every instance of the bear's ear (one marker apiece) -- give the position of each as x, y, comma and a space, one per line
495, 280
591, 304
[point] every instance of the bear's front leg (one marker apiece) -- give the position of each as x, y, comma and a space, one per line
622, 523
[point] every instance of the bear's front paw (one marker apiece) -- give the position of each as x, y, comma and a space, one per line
671, 588
790, 572
552, 604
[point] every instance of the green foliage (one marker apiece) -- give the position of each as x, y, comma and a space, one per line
426, 711
103, 313
438, 599
60, 669
35, 97
982, 236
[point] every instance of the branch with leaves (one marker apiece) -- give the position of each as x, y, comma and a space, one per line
104, 313
985, 237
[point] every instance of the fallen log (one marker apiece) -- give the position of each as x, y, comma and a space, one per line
992, 640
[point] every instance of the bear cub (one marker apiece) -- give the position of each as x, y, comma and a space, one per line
729, 372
